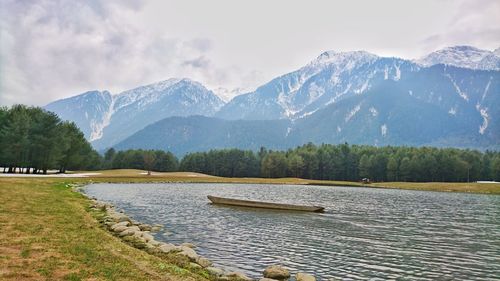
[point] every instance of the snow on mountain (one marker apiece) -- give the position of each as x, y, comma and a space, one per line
106, 119
465, 57
147, 94
226, 94
447, 98
342, 60
325, 80
89, 111
497, 52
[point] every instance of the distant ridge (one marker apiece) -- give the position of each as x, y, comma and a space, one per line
108, 119
448, 98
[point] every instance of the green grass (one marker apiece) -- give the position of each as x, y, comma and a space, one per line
47, 233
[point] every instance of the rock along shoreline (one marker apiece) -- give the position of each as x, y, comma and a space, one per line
140, 235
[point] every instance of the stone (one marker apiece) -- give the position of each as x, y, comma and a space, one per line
102, 205
189, 245
119, 229
131, 230
148, 237
145, 227
188, 252
167, 248
123, 218
237, 275
267, 279
304, 277
156, 227
118, 217
154, 243
195, 265
204, 262
215, 271
124, 223
138, 234
276, 272
141, 239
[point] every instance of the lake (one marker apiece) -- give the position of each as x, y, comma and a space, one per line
365, 233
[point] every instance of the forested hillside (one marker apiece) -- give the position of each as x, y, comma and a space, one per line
448, 99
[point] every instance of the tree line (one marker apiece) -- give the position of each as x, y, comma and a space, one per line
151, 160
330, 162
350, 163
33, 140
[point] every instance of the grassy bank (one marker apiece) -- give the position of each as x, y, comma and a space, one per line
48, 233
484, 188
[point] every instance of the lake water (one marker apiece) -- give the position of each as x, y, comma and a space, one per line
365, 233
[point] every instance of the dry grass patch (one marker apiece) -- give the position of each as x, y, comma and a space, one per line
486, 188
46, 233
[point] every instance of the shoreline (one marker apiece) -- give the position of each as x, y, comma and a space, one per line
47, 214
140, 235
50, 232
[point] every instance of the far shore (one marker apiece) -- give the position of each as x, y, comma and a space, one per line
132, 175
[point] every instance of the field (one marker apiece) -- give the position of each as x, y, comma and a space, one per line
130, 175
47, 231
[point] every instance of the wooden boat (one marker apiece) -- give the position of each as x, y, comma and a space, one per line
266, 205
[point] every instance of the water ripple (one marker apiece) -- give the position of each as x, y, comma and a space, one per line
364, 234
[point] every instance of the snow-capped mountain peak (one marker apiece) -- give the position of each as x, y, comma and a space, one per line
343, 58
463, 56
130, 96
107, 118
227, 95
497, 52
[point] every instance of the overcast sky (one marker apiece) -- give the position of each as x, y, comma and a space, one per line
55, 49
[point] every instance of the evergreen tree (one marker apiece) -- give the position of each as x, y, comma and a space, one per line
392, 169
365, 166
295, 165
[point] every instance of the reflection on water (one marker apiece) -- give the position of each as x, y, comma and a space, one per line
364, 233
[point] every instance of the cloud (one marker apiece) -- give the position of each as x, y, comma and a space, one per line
472, 23
200, 62
55, 49
51, 49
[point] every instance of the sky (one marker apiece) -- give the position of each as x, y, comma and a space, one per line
55, 49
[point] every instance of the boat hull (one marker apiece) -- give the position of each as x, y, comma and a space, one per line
264, 205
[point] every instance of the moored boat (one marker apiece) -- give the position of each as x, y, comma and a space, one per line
266, 205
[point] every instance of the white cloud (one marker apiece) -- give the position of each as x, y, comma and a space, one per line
55, 49
475, 23
51, 49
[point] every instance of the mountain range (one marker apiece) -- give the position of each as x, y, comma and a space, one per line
447, 98
106, 119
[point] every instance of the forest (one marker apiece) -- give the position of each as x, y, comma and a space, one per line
324, 162
33, 140
350, 163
